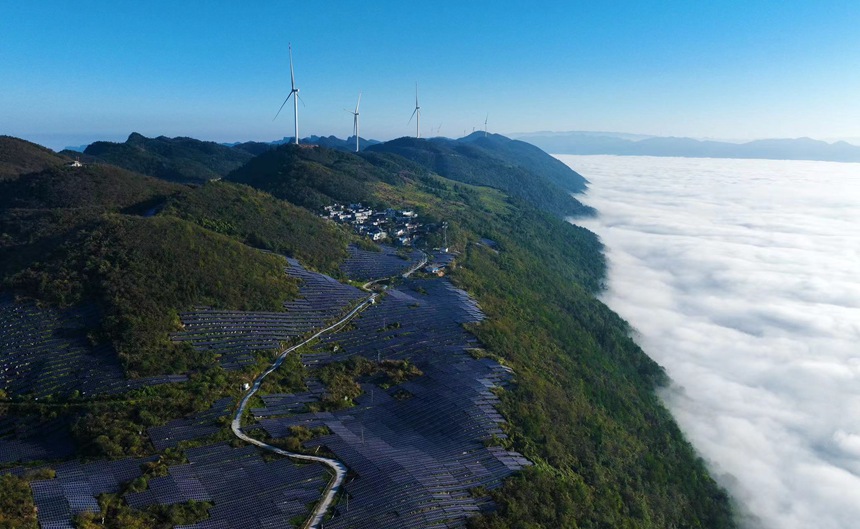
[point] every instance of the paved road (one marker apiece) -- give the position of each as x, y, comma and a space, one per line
336, 466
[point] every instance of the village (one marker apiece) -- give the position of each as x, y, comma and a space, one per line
398, 227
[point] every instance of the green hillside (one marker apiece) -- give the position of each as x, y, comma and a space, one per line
582, 404
521, 153
262, 221
486, 163
84, 187
19, 157
175, 159
311, 176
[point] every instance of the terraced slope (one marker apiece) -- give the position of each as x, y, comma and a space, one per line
415, 449
364, 265
235, 335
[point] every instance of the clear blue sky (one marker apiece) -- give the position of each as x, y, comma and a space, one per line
74, 72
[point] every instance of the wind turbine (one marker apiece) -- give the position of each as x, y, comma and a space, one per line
416, 114
294, 93
485, 124
355, 121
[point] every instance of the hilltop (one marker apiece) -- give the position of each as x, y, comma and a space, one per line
495, 161
19, 157
175, 159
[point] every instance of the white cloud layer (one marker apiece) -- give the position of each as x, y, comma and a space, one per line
743, 279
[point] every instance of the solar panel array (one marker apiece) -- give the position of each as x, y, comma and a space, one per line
365, 265
414, 450
200, 425
76, 486
442, 258
247, 492
44, 351
29, 438
418, 447
235, 335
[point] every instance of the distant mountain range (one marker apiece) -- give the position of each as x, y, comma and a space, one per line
584, 142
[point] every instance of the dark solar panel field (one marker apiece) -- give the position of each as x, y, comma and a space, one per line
364, 265
235, 335
247, 492
414, 450
415, 458
24, 439
201, 425
44, 352
76, 486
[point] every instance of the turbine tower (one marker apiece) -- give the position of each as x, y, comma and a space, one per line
416, 114
294, 93
355, 121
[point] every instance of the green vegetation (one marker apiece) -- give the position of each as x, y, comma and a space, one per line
19, 157
115, 427
262, 221
479, 163
341, 379
288, 378
143, 272
582, 405
312, 177
175, 159
520, 153
115, 514
17, 510
91, 186
297, 437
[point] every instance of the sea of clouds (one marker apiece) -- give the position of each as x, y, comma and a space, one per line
742, 278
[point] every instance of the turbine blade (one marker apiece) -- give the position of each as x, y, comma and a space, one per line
292, 75
412, 116
282, 107
300, 98
359, 102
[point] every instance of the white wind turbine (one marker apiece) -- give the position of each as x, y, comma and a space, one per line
416, 114
294, 93
355, 121
485, 124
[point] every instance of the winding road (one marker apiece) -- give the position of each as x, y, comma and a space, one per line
336, 466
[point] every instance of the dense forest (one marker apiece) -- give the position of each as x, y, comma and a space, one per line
582, 405
176, 159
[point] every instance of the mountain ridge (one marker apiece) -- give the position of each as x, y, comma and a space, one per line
580, 404
586, 143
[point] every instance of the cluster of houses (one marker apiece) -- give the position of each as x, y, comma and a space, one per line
399, 227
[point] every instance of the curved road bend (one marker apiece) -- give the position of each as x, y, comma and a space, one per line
339, 469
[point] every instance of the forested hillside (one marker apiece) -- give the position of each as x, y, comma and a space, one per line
19, 157
581, 404
176, 159
495, 163
584, 409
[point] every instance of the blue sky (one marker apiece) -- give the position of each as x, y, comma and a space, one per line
74, 72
